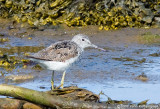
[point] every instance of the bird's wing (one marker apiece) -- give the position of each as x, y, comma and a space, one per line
59, 51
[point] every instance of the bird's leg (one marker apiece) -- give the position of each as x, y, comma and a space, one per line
62, 80
52, 80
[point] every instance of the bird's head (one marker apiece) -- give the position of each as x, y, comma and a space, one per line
83, 41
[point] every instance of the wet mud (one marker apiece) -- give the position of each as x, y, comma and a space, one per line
128, 71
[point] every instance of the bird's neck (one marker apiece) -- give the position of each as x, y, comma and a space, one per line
79, 45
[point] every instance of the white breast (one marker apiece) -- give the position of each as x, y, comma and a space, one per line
55, 65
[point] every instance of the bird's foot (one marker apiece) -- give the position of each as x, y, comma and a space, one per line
60, 86
55, 88
52, 87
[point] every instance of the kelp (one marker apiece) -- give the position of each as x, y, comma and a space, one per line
9, 61
107, 14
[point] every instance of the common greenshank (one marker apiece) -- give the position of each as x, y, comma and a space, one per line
60, 55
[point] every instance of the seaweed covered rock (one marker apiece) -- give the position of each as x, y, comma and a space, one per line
108, 14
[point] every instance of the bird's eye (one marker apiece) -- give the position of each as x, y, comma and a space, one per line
82, 39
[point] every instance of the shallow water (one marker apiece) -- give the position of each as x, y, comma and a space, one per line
111, 72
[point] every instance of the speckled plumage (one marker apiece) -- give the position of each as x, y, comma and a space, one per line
60, 52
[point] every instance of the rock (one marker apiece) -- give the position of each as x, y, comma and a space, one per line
7, 103
157, 19
31, 106
10, 103
142, 77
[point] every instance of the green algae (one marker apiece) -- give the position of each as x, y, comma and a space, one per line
9, 59
149, 38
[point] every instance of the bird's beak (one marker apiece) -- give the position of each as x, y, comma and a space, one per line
95, 46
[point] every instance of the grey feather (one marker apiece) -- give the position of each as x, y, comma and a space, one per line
60, 51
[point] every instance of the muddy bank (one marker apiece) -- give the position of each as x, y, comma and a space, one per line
114, 72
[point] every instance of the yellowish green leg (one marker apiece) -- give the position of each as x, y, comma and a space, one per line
52, 80
62, 80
